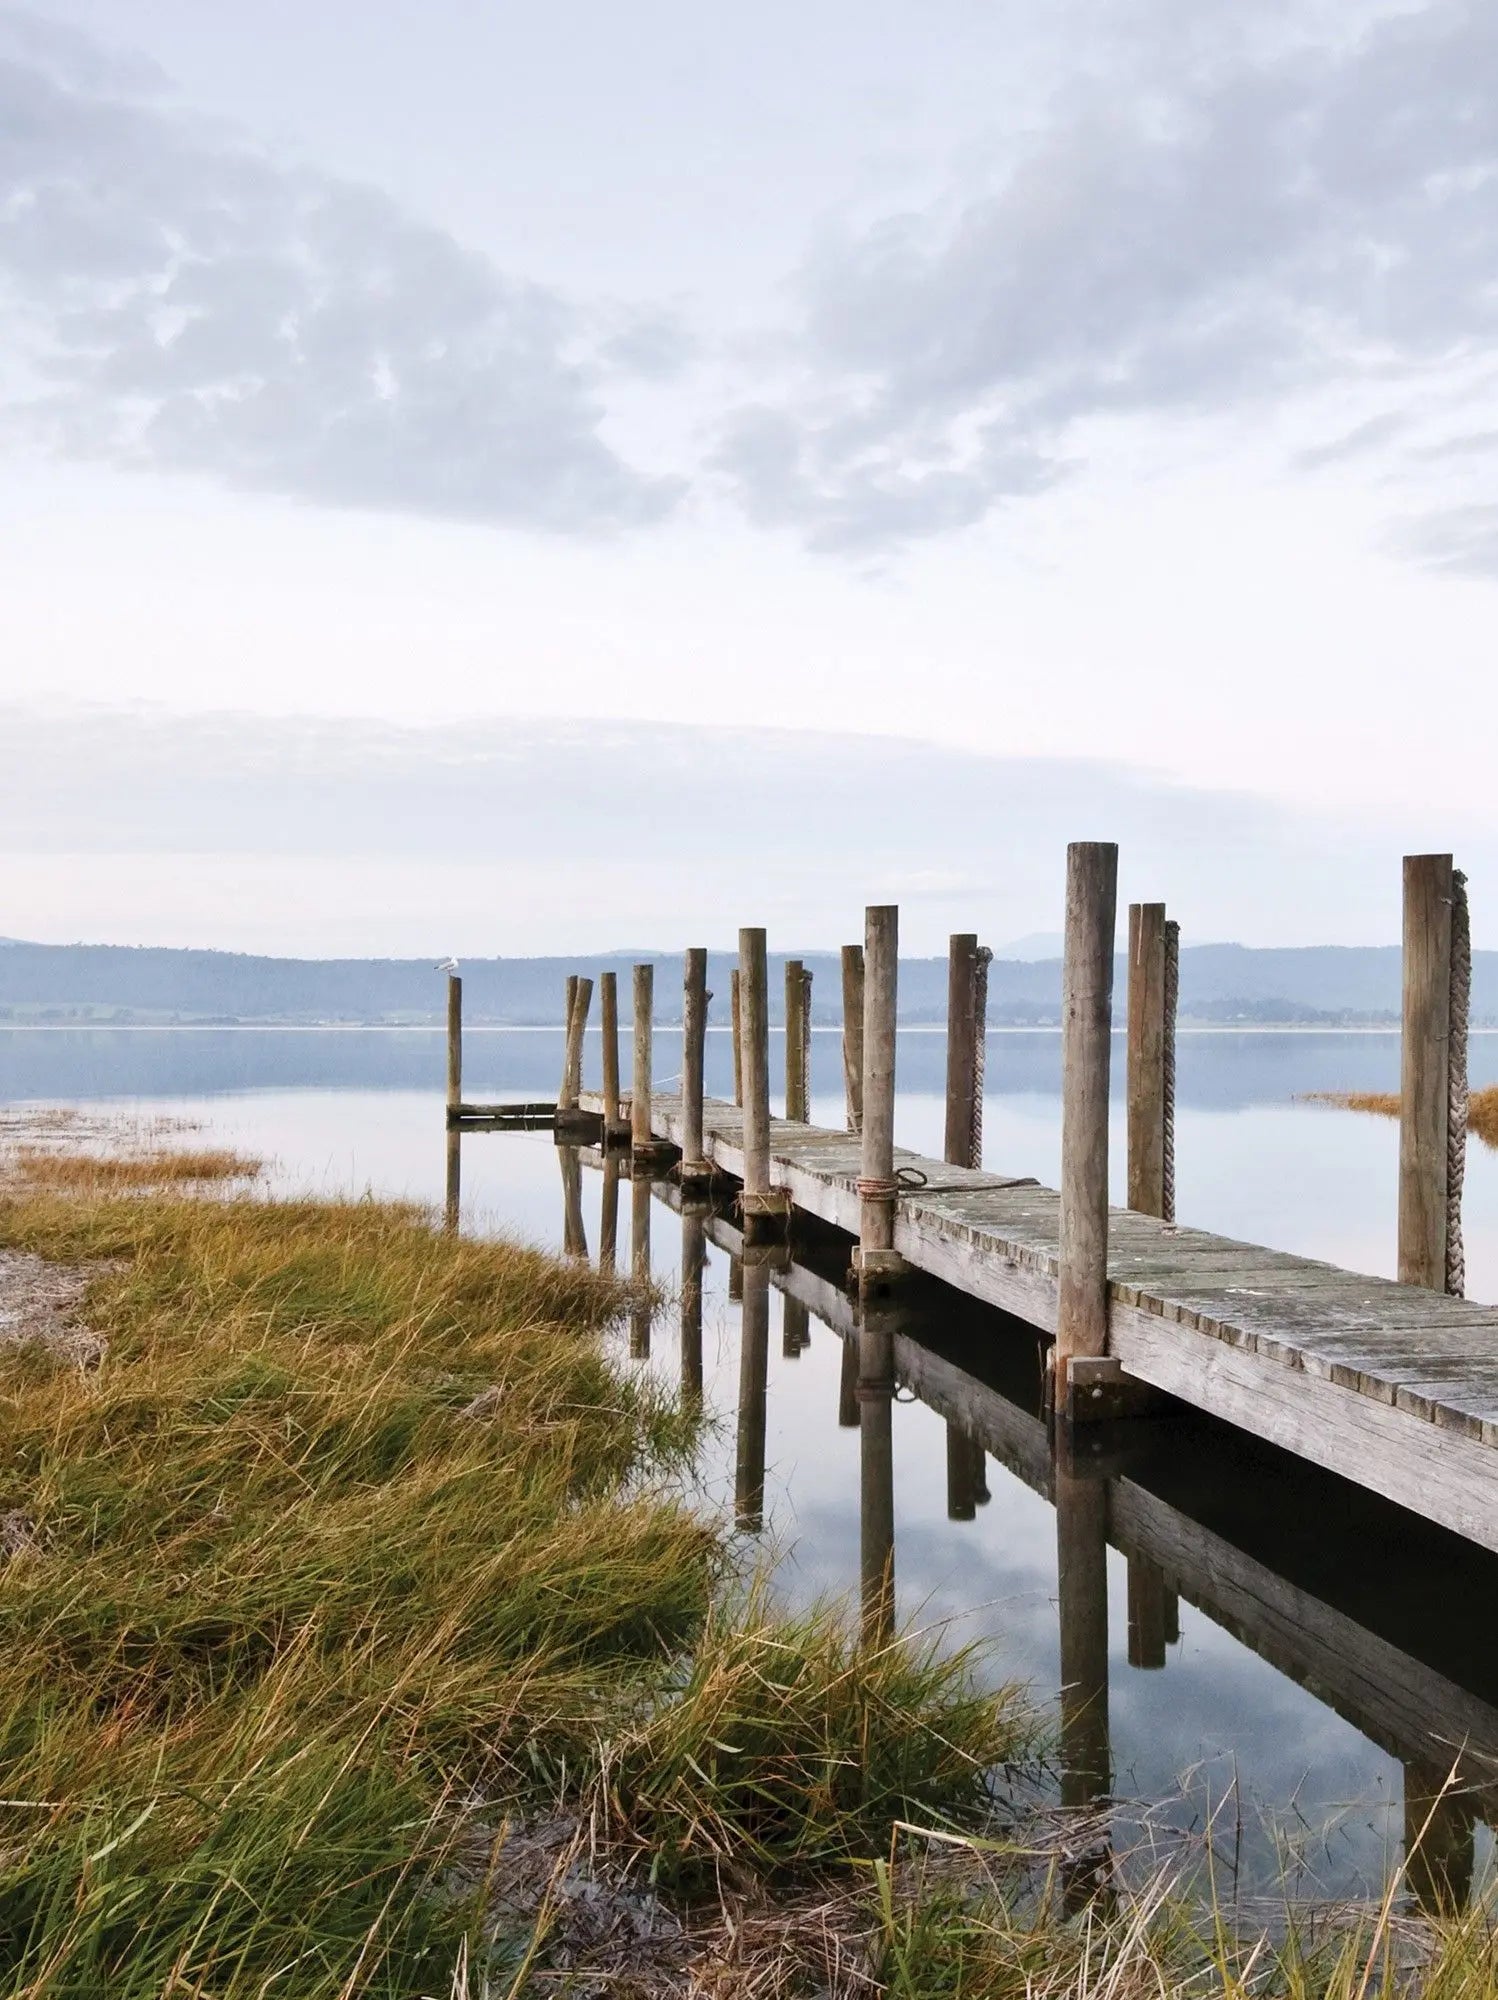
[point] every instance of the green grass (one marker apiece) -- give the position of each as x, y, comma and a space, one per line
350, 1553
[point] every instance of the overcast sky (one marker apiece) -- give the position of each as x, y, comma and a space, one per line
404, 407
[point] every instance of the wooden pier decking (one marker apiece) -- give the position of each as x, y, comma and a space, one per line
1391, 1386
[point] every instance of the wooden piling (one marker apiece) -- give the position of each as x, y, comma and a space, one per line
1425, 1075
735, 1007
876, 1483
614, 1127
639, 1110
754, 1366
693, 1259
1086, 1038
1145, 1058
577, 1028
454, 1045
765, 1208
452, 1206
877, 1262
964, 1145
694, 1168
569, 1008
797, 1106
853, 1034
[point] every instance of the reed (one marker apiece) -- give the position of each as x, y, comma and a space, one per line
1482, 1107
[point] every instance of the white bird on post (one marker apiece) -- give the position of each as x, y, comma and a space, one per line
447, 965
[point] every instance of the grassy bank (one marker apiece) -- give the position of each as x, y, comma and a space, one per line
339, 1573
1482, 1107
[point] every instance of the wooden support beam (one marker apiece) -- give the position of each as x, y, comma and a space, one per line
853, 1034
964, 1125
797, 982
454, 1045
754, 1368
614, 1127
452, 1204
766, 1209
1086, 1049
735, 1006
577, 1028
876, 1480
641, 1133
1145, 1058
876, 1260
569, 1008
695, 1171
1425, 1075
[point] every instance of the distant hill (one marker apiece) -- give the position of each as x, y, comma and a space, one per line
1220, 983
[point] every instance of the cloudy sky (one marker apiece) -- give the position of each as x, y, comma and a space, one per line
491, 477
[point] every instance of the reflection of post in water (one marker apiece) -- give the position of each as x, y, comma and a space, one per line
453, 1200
1082, 1590
1149, 1613
574, 1232
966, 1485
735, 1278
608, 1212
876, 1467
847, 1388
795, 1328
693, 1258
1439, 1823
754, 1366
639, 1266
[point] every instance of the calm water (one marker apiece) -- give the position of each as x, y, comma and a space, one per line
1322, 1651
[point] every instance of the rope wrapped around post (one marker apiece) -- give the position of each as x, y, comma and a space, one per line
1456, 1084
981, 961
1172, 990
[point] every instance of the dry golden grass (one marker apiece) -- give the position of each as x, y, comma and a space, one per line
1482, 1107
41, 1167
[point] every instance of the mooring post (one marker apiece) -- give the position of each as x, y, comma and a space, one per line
640, 1107
795, 1041
853, 1034
876, 1466
695, 1171
452, 1205
754, 1367
736, 1014
569, 1008
967, 988
1432, 1079
614, 1128
876, 1261
693, 1259
639, 1266
454, 1046
1086, 1048
1148, 1039
577, 1028
765, 1208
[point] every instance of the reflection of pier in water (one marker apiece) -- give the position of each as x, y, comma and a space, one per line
1271, 1550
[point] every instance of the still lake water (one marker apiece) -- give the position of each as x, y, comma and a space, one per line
1392, 1624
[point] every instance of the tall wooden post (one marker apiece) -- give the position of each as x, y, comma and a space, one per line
452, 1205
639, 1266
614, 1128
795, 1041
695, 1171
877, 1261
454, 1046
876, 1485
1086, 1052
1425, 1074
754, 1367
764, 1208
964, 1124
1145, 1058
569, 1008
736, 1015
853, 1034
640, 1107
693, 1258
577, 1027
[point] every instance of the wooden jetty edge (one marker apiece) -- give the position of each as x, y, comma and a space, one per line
1393, 1387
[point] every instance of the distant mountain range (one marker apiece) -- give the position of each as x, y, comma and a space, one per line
1221, 984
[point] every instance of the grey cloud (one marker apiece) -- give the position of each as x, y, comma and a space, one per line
1462, 541
1361, 439
185, 302
1264, 224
